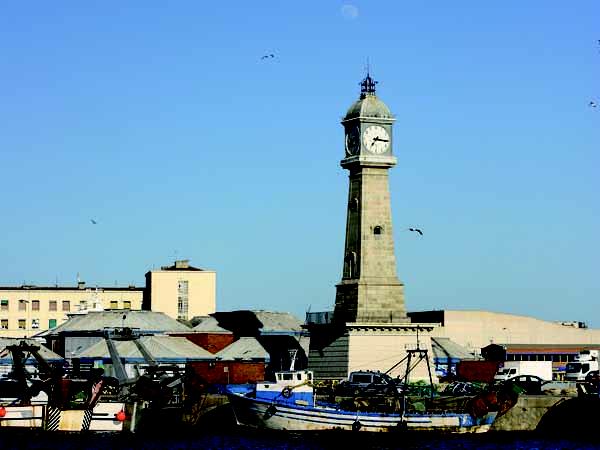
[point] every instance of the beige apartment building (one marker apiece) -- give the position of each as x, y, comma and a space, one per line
27, 310
181, 291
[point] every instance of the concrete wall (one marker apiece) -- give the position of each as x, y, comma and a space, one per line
369, 351
477, 329
334, 356
527, 413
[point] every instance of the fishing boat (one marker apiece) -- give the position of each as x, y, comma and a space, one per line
51, 399
290, 403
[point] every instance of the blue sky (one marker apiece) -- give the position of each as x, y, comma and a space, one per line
160, 121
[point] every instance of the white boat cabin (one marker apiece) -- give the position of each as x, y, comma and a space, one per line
293, 386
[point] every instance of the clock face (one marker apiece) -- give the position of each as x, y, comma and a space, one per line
352, 141
376, 139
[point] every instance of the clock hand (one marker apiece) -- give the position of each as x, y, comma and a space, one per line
377, 138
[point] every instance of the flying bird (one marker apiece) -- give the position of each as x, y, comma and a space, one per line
592, 104
416, 230
270, 55
93, 222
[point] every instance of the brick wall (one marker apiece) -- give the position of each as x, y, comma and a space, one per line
213, 342
229, 372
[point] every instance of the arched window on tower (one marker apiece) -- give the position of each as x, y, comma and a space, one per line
350, 265
377, 231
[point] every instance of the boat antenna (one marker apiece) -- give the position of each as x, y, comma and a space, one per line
293, 354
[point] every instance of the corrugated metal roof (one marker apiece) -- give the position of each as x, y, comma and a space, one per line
245, 348
278, 321
148, 321
446, 348
209, 324
44, 352
269, 322
160, 348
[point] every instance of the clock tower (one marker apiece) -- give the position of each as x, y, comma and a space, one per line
370, 291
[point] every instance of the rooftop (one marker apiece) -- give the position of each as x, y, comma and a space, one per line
44, 352
249, 323
245, 348
145, 321
80, 287
445, 348
181, 265
160, 348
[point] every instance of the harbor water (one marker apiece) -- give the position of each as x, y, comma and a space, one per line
249, 439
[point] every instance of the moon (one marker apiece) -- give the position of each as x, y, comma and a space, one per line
349, 12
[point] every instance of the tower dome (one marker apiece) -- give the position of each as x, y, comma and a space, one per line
368, 105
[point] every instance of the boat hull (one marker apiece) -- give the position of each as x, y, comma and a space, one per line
257, 413
31, 416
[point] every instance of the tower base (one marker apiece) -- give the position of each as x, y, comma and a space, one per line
370, 301
337, 350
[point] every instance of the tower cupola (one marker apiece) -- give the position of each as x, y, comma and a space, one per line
368, 105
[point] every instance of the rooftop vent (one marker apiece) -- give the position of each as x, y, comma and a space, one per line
182, 264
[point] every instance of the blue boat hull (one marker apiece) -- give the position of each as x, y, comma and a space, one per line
260, 413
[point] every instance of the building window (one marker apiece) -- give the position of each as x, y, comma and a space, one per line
52, 323
52, 305
3, 305
22, 305
66, 305
182, 300
35, 305
114, 304
35, 324
4, 324
22, 324
126, 304
377, 230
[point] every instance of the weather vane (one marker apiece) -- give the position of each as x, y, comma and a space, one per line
367, 85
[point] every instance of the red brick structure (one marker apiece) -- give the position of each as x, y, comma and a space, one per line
229, 372
212, 342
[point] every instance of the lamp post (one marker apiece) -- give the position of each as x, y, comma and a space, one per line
507, 335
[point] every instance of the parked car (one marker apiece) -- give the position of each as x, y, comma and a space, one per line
367, 382
526, 384
593, 377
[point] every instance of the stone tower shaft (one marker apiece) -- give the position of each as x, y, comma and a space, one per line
370, 291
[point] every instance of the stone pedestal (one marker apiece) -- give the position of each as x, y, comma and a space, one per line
337, 350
